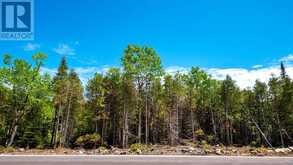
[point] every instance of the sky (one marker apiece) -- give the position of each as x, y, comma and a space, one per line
245, 39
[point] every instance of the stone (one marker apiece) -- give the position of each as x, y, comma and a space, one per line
184, 150
254, 152
123, 153
260, 154
116, 152
138, 151
218, 151
282, 150
21, 149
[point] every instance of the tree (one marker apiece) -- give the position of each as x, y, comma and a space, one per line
26, 90
61, 88
75, 103
96, 100
228, 95
173, 97
142, 64
121, 106
128, 98
195, 82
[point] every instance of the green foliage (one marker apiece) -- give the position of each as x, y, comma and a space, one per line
211, 139
139, 104
253, 144
139, 148
89, 141
2, 148
27, 92
199, 133
205, 145
9, 149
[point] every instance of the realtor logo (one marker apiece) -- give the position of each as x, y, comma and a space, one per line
17, 21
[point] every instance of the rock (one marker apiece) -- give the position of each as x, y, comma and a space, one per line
207, 151
184, 150
260, 154
116, 152
227, 152
123, 153
138, 151
80, 152
104, 152
254, 152
282, 150
89, 152
21, 149
65, 152
291, 148
218, 151
198, 151
191, 149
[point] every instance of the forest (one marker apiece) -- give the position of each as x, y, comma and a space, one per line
138, 103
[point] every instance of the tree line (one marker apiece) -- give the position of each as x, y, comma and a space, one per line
139, 103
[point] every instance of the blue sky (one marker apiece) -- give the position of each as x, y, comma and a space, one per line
207, 33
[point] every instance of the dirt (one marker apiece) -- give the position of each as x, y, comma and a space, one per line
158, 150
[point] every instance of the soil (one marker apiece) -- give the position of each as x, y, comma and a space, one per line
158, 150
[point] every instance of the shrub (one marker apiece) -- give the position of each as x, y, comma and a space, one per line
253, 143
210, 139
2, 149
9, 149
205, 145
199, 133
40, 147
89, 141
138, 148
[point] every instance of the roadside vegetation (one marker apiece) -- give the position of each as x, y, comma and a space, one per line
140, 106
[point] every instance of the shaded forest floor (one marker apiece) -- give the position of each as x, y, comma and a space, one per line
158, 150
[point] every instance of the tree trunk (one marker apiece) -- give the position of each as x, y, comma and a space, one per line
57, 126
67, 122
125, 128
214, 126
139, 125
11, 140
264, 136
54, 129
227, 129
146, 120
231, 132
280, 131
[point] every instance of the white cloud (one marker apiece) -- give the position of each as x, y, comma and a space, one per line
244, 78
64, 49
287, 58
50, 71
174, 69
257, 66
86, 73
31, 47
